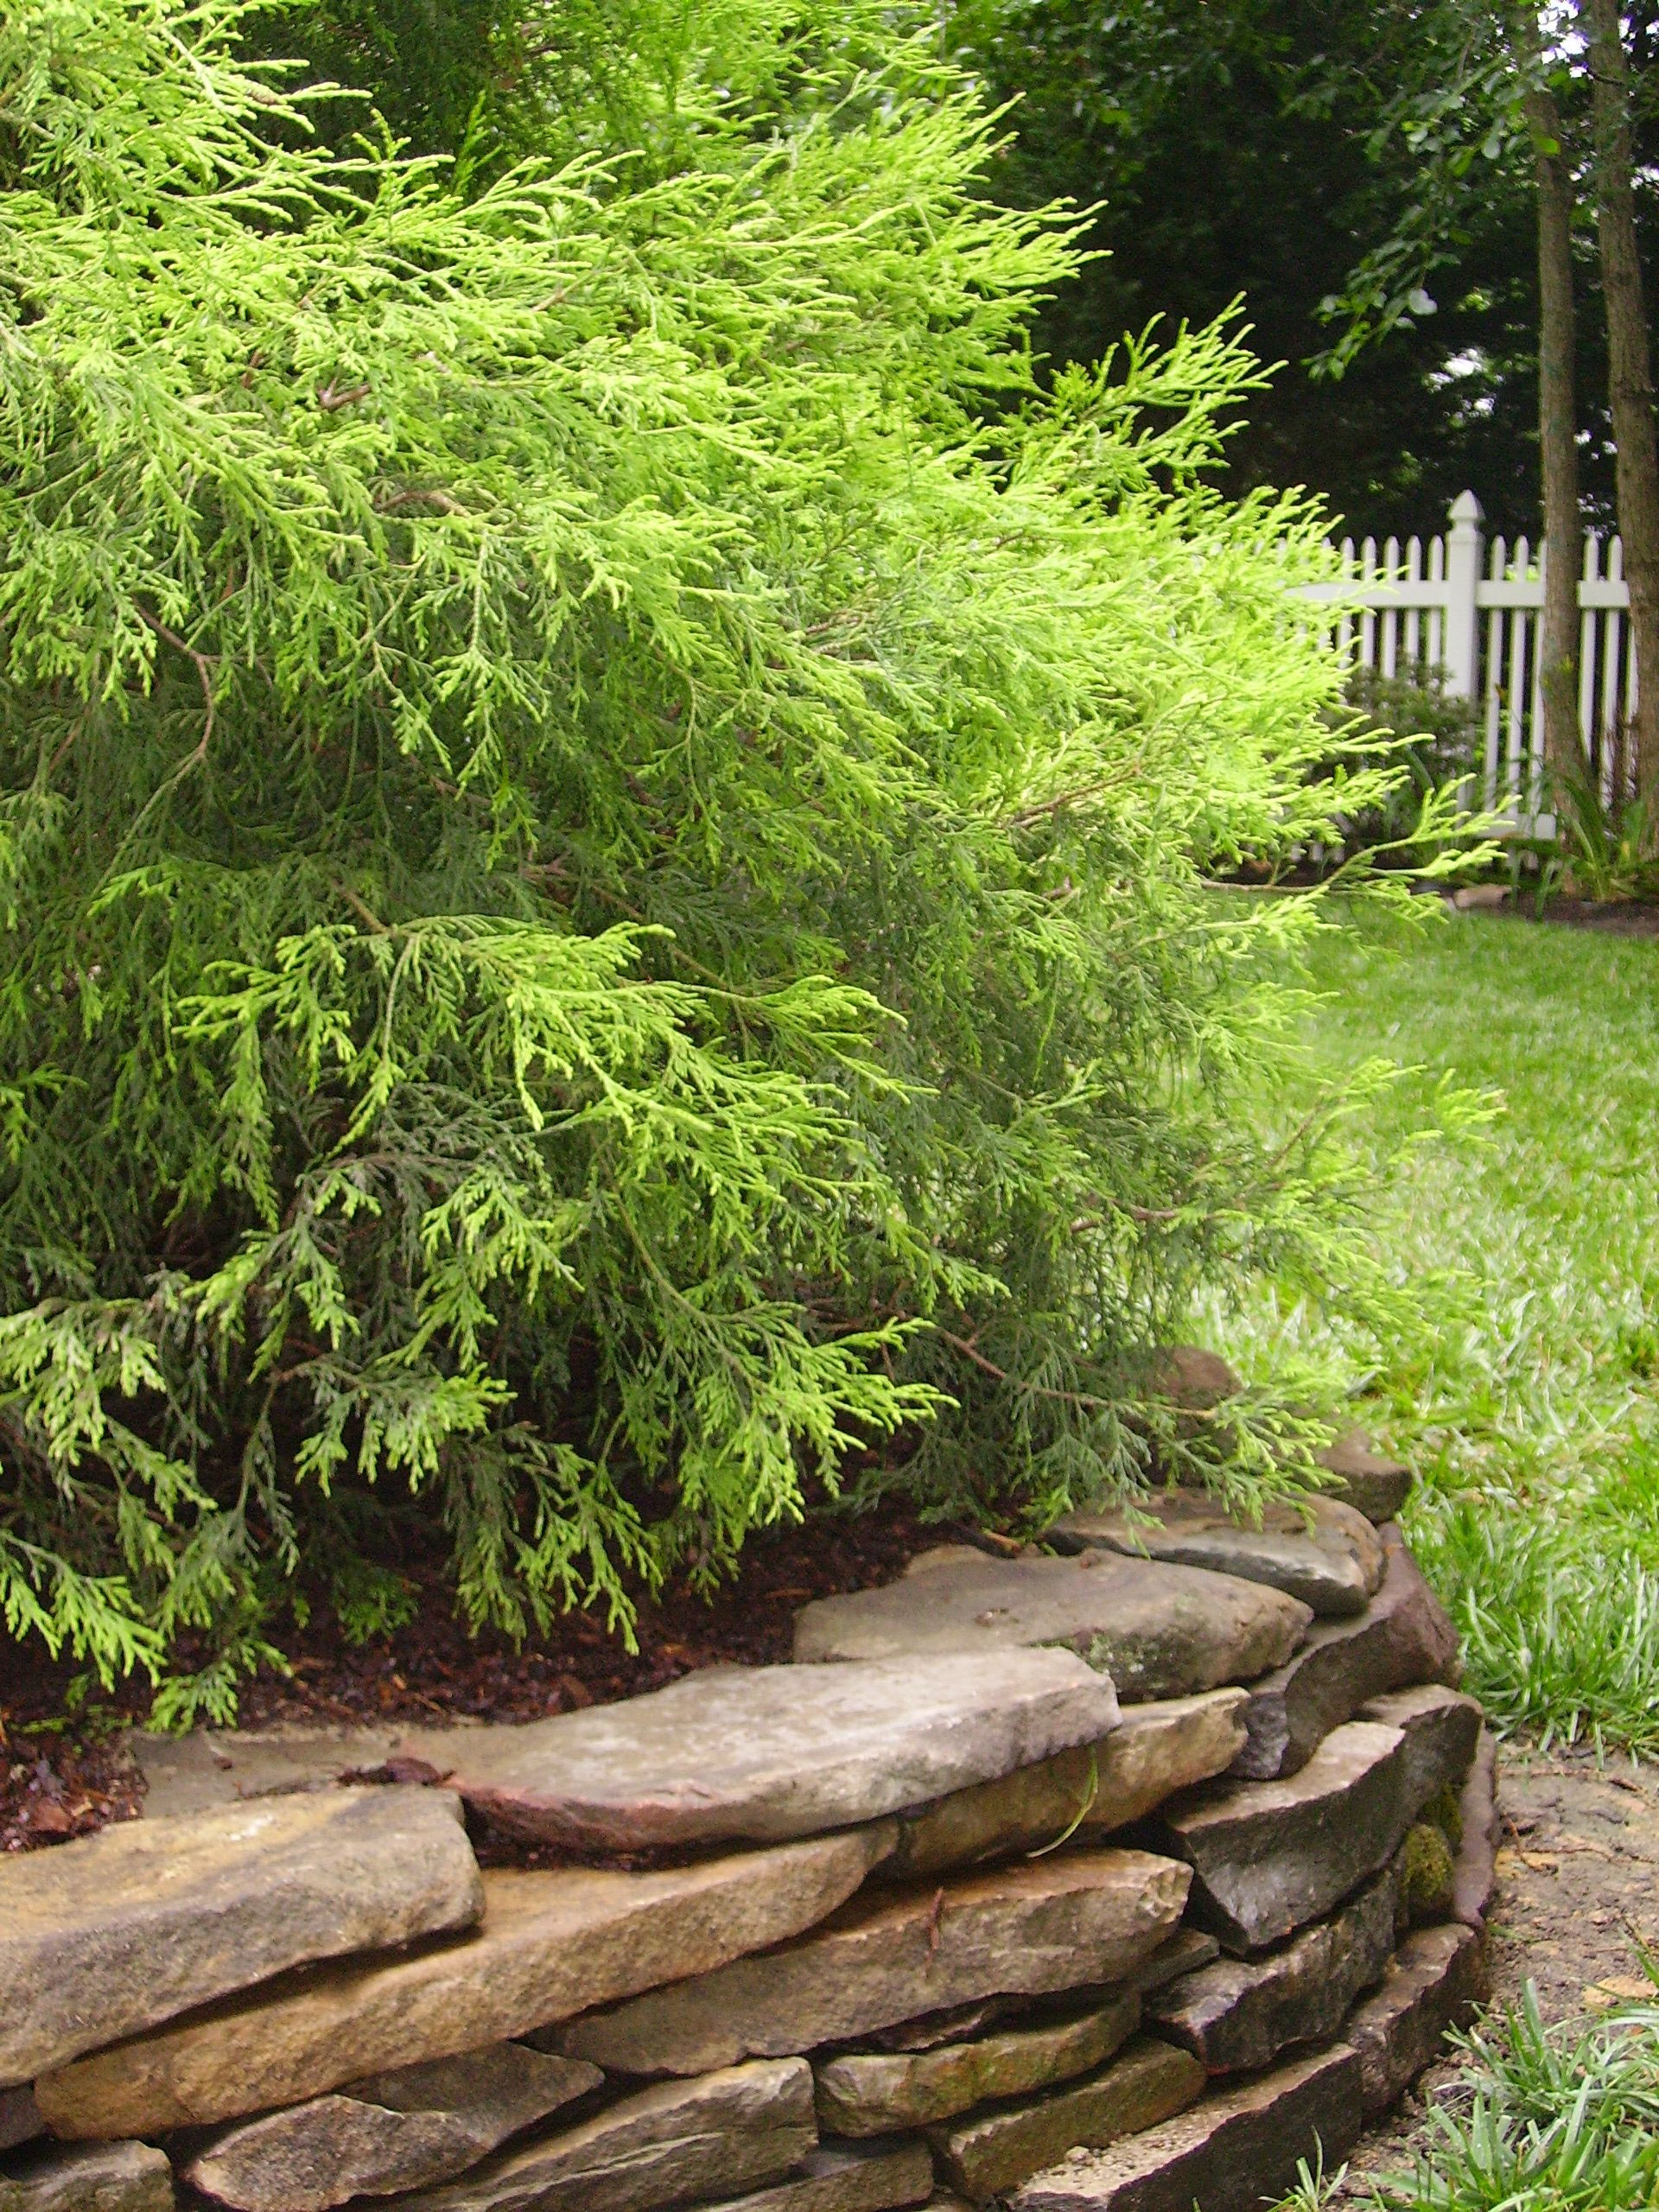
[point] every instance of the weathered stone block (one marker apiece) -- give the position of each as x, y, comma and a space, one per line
1402, 1637
106, 2177
1435, 1984
993, 2152
1326, 1553
1158, 1631
397, 2130
881, 2092
1442, 1728
848, 2177
1376, 1485
1475, 1873
1268, 1856
679, 2143
1234, 2152
1155, 1751
772, 1753
1240, 2014
1087, 1917
121, 1929
20, 2117
549, 1943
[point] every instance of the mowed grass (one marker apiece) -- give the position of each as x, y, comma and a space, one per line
1527, 1396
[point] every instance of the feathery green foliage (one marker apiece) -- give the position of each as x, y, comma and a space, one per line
604, 887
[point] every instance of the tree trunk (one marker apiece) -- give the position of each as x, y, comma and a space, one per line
1629, 371
1558, 640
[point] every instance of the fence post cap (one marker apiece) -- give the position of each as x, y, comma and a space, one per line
1467, 509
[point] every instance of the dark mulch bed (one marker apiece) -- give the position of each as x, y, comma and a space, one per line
64, 1772
1613, 916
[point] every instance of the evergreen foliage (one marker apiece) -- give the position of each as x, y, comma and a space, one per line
604, 888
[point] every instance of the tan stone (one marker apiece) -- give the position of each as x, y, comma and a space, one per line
996, 2151
549, 1943
1155, 1749
880, 2093
1475, 1873
771, 1753
681, 2141
848, 2177
1326, 1553
146, 1919
1236, 2151
1053, 1924
107, 2178
402, 2130
1158, 1631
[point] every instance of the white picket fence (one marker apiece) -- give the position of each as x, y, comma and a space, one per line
1472, 609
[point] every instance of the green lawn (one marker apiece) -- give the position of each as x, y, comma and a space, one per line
1528, 1396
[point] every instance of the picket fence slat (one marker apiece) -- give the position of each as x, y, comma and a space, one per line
1471, 609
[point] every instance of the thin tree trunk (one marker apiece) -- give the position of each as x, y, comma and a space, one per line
1630, 370
1558, 643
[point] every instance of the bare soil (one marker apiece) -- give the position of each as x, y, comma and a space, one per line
1578, 1886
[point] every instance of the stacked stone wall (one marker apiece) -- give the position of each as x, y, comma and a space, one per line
1114, 1877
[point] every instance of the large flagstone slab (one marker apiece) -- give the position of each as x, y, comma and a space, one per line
848, 2177
989, 2154
1236, 2151
1404, 1637
132, 1926
1242, 2013
1072, 1919
1442, 1728
881, 2092
1268, 1856
402, 2130
1158, 1631
1155, 1750
1328, 1555
766, 1754
680, 2142
550, 1945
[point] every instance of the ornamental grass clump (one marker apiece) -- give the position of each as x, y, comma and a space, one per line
604, 817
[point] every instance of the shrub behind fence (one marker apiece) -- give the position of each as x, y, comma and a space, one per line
1473, 607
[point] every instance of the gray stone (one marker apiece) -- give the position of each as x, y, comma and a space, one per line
20, 2118
1442, 1728
880, 2093
772, 1752
1241, 2013
1435, 1984
402, 2130
1158, 1631
113, 1932
1196, 1380
1267, 1857
995, 2151
107, 2178
1234, 2152
848, 2177
1402, 1637
1374, 1485
731, 2131
550, 1944
1326, 1553
1155, 1751
1474, 1874
1086, 1916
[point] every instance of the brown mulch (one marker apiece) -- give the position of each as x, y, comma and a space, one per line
63, 1770
1612, 916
